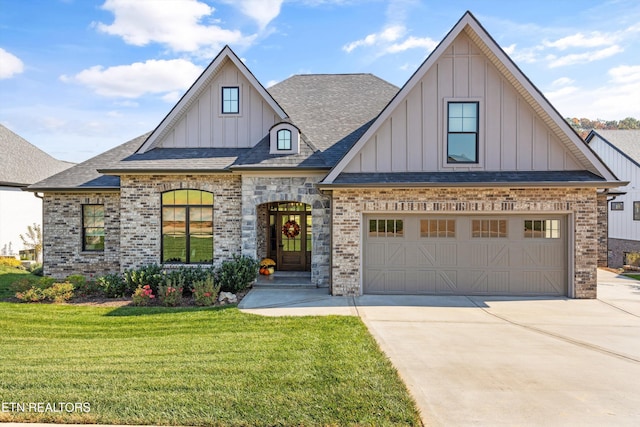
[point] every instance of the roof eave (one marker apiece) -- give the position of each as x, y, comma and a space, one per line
190, 171
72, 189
521, 184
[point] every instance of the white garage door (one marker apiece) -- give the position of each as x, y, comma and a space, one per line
465, 255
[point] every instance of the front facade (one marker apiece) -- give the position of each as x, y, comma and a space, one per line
464, 181
620, 149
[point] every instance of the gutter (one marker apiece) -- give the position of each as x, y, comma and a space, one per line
528, 184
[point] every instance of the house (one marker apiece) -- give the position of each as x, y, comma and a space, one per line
23, 164
464, 181
620, 150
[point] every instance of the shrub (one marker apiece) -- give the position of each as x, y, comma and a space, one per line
37, 270
205, 292
150, 275
236, 275
26, 283
143, 295
59, 292
32, 294
10, 262
170, 293
113, 285
187, 276
632, 258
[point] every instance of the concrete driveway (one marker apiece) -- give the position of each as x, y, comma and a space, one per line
504, 361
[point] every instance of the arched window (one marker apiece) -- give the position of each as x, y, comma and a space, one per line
284, 139
187, 227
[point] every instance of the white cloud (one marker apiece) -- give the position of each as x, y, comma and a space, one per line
140, 78
411, 43
509, 49
595, 39
262, 11
10, 65
583, 58
625, 74
176, 24
562, 81
387, 35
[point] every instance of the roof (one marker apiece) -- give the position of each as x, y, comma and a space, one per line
85, 176
19, 158
465, 179
626, 141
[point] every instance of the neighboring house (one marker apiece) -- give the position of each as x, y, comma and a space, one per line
464, 181
620, 150
22, 164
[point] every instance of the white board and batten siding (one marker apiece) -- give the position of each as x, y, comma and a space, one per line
621, 223
512, 137
204, 126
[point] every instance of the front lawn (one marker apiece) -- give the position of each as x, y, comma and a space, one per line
633, 276
194, 366
8, 275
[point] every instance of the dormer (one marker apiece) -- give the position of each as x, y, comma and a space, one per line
284, 138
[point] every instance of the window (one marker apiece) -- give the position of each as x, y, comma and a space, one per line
542, 229
386, 228
187, 227
462, 132
489, 228
93, 227
437, 228
284, 139
231, 100
617, 206
636, 211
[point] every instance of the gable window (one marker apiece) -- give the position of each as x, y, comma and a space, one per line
230, 100
93, 227
462, 132
284, 139
636, 211
617, 206
187, 227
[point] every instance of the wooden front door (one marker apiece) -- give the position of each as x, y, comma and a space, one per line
293, 232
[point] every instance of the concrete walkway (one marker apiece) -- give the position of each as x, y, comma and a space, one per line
498, 360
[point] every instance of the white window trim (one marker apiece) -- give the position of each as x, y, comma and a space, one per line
445, 131
273, 139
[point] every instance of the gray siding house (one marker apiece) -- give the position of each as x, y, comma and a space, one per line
464, 181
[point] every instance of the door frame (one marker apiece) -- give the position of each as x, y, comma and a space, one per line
275, 236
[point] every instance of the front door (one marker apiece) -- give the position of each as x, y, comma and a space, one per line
292, 240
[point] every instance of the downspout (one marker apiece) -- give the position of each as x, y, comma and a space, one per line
41, 198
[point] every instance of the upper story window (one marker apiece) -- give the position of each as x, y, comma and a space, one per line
284, 139
462, 132
636, 211
617, 206
230, 100
93, 227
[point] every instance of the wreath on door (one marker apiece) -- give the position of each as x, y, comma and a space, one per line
291, 229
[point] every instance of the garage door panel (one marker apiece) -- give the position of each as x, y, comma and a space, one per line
474, 259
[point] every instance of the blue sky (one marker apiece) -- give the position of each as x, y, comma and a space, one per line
78, 77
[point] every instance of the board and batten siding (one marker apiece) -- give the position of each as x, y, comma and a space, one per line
621, 223
203, 125
511, 135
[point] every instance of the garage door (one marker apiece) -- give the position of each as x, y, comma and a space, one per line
465, 255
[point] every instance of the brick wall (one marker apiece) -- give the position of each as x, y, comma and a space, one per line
62, 235
349, 205
141, 212
617, 249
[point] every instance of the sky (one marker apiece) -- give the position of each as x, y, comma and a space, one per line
78, 77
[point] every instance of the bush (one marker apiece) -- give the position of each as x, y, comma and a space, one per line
236, 275
36, 269
10, 262
143, 295
170, 293
58, 292
205, 292
113, 285
187, 276
25, 283
148, 275
632, 259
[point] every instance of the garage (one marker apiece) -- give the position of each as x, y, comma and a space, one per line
465, 254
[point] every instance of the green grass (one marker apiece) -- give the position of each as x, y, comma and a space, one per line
8, 275
190, 366
633, 276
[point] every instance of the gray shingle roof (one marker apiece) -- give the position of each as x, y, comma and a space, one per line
259, 157
24, 163
85, 176
627, 141
178, 159
453, 178
333, 110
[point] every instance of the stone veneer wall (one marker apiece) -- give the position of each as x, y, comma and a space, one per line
141, 212
258, 190
617, 249
62, 235
350, 204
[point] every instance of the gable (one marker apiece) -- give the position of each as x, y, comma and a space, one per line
517, 129
199, 121
620, 156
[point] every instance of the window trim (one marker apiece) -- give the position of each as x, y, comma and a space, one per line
187, 207
616, 206
479, 163
222, 101
278, 132
84, 228
636, 210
